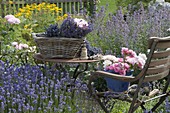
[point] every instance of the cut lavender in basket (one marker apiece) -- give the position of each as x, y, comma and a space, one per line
70, 28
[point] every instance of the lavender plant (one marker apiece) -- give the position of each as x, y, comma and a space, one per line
32, 89
132, 30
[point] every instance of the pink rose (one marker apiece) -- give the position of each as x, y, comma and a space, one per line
122, 72
132, 60
126, 66
111, 67
131, 53
120, 59
124, 51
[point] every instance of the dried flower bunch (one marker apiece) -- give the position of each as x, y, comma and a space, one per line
70, 28
129, 61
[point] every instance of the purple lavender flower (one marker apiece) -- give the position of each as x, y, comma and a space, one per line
131, 29
30, 89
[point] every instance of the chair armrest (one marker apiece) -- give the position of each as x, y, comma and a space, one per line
114, 76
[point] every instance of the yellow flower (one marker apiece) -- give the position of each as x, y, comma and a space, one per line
59, 18
43, 3
53, 5
18, 14
27, 7
48, 6
27, 15
65, 15
21, 10
10, 2
26, 26
60, 9
38, 8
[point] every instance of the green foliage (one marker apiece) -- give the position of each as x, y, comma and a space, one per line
17, 56
33, 18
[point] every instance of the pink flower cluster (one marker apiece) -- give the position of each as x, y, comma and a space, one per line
129, 61
12, 19
19, 46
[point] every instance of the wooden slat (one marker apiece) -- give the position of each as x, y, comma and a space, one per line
163, 45
72, 8
161, 54
15, 2
68, 7
77, 7
157, 69
156, 76
64, 8
159, 62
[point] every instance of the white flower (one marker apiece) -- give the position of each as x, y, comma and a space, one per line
132, 60
141, 62
110, 57
19, 46
106, 63
32, 49
24, 45
80, 22
168, 29
142, 56
14, 43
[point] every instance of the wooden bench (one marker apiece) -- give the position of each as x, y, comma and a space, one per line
157, 68
68, 6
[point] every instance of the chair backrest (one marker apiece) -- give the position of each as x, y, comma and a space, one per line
158, 63
70, 6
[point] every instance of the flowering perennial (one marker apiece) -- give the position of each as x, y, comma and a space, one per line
30, 89
129, 61
12, 19
19, 45
30, 11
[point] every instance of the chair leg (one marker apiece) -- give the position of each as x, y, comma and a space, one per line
101, 104
131, 109
162, 99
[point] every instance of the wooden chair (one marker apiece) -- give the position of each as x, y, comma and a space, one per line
157, 67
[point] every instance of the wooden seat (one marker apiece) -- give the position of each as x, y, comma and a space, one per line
157, 67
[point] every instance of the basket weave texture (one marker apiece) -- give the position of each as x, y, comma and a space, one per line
57, 47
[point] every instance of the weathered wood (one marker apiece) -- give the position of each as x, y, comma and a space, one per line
159, 62
161, 54
68, 6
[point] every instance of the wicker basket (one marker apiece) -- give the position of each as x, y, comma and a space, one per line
57, 47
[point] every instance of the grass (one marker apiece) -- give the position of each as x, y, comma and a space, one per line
111, 5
